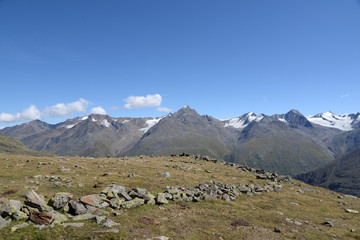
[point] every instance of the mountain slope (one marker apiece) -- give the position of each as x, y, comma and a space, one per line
9, 145
185, 131
278, 145
341, 175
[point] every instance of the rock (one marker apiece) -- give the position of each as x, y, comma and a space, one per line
160, 238
148, 197
225, 197
351, 211
97, 211
41, 218
19, 215
59, 200
114, 230
4, 223
5, 207
133, 203
329, 223
165, 174
115, 203
297, 223
73, 225
110, 223
125, 195
34, 200
116, 213
99, 219
77, 208
58, 218
277, 230
161, 199
83, 217
19, 226
92, 200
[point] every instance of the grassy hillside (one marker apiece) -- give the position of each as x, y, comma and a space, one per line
340, 175
9, 145
298, 211
280, 154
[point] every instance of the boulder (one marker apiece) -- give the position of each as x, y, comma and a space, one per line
59, 200
41, 218
4, 223
161, 198
92, 200
77, 208
34, 200
133, 203
110, 223
165, 174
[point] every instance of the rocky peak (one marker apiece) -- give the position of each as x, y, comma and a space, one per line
294, 117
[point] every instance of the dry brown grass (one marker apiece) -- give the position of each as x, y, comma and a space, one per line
203, 220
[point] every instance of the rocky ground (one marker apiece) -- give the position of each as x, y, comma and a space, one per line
177, 197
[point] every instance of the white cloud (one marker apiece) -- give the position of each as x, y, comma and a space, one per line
61, 109
140, 101
345, 95
98, 110
164, 109
31, 113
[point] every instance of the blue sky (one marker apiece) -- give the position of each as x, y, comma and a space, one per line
61, 59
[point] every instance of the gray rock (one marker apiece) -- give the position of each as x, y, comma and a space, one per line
277, 230
114, 188
110, 223
115, 203
83, 217
73, 225
165, 174
59, 200
133, 203
77, 208
125, 195
19, 226
4, 223
34, 200
99, 219
161, 198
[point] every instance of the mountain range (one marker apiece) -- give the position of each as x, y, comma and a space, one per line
287, 143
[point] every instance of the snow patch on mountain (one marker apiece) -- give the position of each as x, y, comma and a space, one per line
105, 123
125, 121
243, 121
84, 118
70, 126
329, 119
150, 123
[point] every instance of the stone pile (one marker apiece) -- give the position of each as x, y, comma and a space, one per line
62, 205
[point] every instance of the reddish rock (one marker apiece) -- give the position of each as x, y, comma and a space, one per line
41, 218
92, 200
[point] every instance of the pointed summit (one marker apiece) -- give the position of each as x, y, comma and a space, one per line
185, 110
294, 117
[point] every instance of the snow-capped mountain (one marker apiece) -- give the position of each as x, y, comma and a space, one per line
346, 122
243, 121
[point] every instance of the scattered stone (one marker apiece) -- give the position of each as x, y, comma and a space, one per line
329, 223
114, 230
99, 219
96, 211
77, 208
237, 223
132, 175
295, 203
147, 220
159, 238
110, 223
161, 199
19, 226
133, 203
83, 217
59, 200
4, 223
78, 225
92, 200
34, 200
41, 218
351, 211
277, 230
165, 174
117, 213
